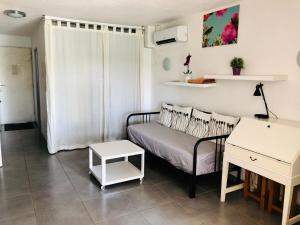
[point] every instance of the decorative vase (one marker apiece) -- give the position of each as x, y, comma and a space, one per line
236, 71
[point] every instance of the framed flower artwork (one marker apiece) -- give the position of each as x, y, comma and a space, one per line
221, 27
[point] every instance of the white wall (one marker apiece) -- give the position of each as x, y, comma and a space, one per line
17, 94
268, 41
15, 41
39, 43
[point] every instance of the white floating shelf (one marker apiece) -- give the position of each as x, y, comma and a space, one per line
248, 77
184, 84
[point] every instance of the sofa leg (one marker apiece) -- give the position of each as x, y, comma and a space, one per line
192, 188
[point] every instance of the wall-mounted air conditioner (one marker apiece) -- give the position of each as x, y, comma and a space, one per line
171, 35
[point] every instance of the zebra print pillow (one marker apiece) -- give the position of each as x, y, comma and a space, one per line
165, 116
222, 125
199, 124
181, 117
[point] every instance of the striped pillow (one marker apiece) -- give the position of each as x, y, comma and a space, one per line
165, 116
222, 125
181, 117
199, 124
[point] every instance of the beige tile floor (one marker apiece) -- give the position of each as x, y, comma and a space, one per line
43, 189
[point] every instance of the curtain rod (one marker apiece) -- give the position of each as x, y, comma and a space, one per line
90, 22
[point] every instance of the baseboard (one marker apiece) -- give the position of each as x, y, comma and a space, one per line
19, 126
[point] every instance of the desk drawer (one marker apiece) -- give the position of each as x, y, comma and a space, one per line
258, 160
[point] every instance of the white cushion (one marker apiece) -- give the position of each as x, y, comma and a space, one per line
199, 124
165, 116
181, 117
221, 124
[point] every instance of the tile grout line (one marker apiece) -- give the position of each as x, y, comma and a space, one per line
118, 192
29, 183
81, 201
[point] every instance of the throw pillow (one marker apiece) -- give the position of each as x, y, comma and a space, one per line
165, 116
199, 124
181, 117
221, 124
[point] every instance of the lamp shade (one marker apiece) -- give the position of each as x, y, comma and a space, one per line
257, 91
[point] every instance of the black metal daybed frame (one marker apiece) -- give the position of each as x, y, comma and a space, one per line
146, 118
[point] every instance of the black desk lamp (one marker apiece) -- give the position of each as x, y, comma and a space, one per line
260, 92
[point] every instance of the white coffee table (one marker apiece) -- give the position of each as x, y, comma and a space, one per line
116, 172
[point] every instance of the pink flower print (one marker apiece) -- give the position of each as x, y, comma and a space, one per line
235, 20
221, 12
235, 16
206, 16
229, 34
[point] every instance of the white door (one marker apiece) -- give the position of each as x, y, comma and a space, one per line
17, 94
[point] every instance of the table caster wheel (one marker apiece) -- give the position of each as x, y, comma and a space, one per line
102, 187
90, 172
141, 180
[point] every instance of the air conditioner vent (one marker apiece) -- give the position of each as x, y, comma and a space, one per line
171, 40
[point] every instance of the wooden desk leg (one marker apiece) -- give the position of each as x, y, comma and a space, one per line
288, 195
224, 180
263, 192
247, 183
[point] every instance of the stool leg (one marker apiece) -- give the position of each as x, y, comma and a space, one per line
263, 192
271, 196
294, 202
239, 174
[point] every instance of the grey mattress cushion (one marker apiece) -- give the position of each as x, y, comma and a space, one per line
174, 146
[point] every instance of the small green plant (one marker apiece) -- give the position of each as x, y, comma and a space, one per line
237, 63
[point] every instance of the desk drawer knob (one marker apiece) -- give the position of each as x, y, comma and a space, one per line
253, 159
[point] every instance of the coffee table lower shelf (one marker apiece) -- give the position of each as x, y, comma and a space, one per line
117, 172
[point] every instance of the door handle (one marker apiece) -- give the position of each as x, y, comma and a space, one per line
253, 159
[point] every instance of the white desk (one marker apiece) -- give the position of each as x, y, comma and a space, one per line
270, 149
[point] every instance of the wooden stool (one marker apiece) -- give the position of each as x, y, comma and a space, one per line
274, 204
260, 195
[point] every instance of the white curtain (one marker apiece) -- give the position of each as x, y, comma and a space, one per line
124, 82
93, 82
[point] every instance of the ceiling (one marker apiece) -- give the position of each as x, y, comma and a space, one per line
129, 12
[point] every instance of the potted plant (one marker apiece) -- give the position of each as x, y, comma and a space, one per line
188, 72
237, 64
